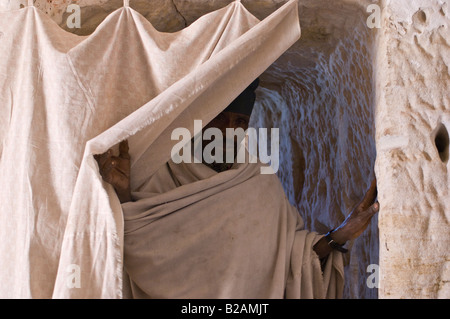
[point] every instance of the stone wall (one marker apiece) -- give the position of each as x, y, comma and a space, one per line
321, 95
413, 120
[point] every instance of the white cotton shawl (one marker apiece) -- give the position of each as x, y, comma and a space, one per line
195, 233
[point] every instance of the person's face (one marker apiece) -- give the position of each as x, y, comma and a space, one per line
229, 120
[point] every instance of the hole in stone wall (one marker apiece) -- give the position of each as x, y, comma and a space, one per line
441, 142
421, 16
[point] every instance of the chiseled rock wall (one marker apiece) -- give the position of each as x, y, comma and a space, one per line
413, 121
321, 96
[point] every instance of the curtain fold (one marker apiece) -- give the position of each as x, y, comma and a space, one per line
64, 98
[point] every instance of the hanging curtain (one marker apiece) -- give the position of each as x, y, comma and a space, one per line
64, 98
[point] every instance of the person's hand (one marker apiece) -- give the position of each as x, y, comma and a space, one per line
358, 220
115, 170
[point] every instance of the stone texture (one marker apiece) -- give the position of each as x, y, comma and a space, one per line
413, 106
320, 95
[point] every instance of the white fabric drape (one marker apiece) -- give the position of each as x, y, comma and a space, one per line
65, 97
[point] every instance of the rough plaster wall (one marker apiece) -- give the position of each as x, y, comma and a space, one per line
414, 106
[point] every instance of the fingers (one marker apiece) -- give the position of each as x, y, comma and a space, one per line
120, 165
105, 157
106, 164
370, 196
112, 171
115, 169
115, 177
111, 163
102, 159
123, 150
373, 209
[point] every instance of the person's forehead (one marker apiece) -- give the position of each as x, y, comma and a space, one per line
234, 114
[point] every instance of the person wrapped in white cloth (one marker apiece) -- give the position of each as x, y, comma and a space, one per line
224, 230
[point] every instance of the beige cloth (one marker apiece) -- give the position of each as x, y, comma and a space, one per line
65, 97
195, 233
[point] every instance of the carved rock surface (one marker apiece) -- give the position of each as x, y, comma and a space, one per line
413, 120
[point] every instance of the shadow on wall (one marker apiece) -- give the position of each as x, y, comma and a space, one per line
320, 94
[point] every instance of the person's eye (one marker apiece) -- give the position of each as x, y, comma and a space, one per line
217, 121
220, 118
241, 122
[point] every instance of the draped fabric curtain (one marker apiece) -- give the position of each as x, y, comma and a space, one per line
64, 98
